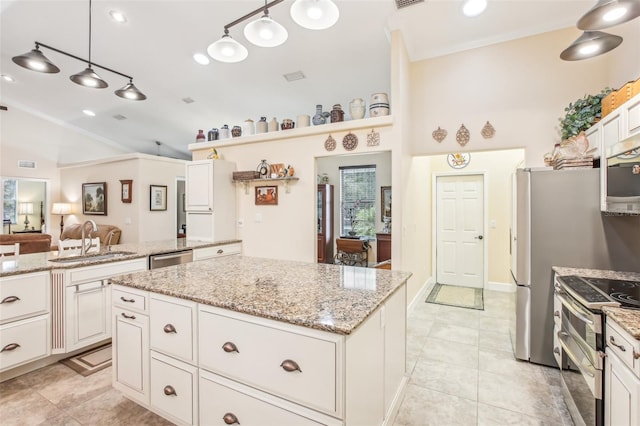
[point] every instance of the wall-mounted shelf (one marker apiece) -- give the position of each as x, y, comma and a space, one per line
285, 180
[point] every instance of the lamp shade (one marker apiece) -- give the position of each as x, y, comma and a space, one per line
61, 208
36, 61
607, 13
89, 78
265, 32
315, 14
227, 50
25, 208
131, 92
590, 44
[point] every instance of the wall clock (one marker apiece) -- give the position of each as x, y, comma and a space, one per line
459, 160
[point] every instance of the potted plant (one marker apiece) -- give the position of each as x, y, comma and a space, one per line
582, 114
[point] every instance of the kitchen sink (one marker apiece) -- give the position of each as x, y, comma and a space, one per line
91, 257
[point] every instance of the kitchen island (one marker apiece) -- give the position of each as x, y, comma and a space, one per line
262, 341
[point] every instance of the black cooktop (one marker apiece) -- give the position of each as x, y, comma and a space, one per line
597, 292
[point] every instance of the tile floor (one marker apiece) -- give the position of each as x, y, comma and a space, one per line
461, 364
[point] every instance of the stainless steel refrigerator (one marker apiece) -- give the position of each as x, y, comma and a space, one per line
556, 221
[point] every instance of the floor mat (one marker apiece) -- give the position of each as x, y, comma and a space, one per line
451, 295
91, 361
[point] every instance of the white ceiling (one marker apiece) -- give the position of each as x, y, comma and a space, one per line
156, 44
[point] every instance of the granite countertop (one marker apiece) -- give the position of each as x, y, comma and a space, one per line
321, 296
628, 319
35, 262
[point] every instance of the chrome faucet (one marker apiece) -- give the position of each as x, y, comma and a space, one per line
85, 246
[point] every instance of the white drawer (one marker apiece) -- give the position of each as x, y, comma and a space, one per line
130, 298
173, 388
106, 270
224, 402
24, 341
22, 296
216, 251
623, 345
172, 327
262, 354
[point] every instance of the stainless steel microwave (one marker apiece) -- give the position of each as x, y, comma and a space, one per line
623, 176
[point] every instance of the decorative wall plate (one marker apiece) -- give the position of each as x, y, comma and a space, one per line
330, 143
373, 138
458, 160
462, 136
350, 141
439, 134
488, 131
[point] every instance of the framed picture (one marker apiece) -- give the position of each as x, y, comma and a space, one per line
266, 195
126, 187
385, 201
157, 197
94, 198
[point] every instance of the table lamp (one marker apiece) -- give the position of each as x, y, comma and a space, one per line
26, 209
61, 209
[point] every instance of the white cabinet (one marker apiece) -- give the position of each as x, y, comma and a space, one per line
210, 200
131, 354
632, 111
216, 251
87, 312
174, 389
173, 327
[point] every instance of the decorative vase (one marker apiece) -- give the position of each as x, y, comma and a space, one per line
200, 137
287, 124
262, 126
273, 125
248, 128
303, 120
224, 132
320, 117
357, 108
337, 114
379, 105
236, 131
212, 135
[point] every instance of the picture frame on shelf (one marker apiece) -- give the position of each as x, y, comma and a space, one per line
266, 195
126, 187
94, 198
385, 202
157, 197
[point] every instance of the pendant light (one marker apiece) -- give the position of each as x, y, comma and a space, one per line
131, 92
315, 14
88, 77
607, 13
35, 60
265, 32
590, 44
227, 49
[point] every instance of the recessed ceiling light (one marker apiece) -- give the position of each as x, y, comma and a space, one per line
474, 7
8, 78
88, 112
117, 16
201, 58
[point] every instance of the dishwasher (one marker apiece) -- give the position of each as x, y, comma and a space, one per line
170, 258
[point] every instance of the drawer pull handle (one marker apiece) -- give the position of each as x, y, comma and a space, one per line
124, 299
230, 347
230, 418
613, 342
10, 347
169, 328
290, 365
220, 251
10, 299
128, 316
636, 355
169, 390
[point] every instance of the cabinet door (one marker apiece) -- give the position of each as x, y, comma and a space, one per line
633, 117
612, 130
87, 314
174, 388
622, 395
199, 183
131, 354
172, 326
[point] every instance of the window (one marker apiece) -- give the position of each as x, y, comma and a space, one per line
358, 201
10, 200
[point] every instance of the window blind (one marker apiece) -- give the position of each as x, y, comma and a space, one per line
358, 198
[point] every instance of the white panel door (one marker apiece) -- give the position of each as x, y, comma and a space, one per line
459, 230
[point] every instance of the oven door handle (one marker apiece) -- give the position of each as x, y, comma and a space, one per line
587, 371
575, 310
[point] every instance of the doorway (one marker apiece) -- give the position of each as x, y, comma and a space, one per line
24, 206
460, 246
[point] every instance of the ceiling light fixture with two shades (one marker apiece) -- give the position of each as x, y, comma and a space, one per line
265, 32
36, 61
605, 14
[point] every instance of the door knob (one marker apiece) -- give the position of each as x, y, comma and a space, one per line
479, 237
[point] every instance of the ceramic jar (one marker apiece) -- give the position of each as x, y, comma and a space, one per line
200, 137
320, 117
236, 131
379, 105
337, 114
303, 121
287, 124
212, 135
357, 108
224, 132
262, 126
273, 125
248, 128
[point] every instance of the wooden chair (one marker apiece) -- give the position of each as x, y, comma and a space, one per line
352, 252
10, 250
74, 245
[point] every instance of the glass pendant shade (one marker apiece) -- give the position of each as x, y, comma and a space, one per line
227, 50
315, 14
89, 78
265, 32
36, 61
590, 44
131, 92
607, 13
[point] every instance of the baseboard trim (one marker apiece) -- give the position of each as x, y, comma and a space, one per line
421, 295
504, 287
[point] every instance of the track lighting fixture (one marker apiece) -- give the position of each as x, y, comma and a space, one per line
590, 44
607, 13
36, 61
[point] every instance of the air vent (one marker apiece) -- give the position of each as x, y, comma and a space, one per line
406, 3
188, 100
26, 164
293, 76
119, 117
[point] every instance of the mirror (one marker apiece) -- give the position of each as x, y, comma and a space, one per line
23, 205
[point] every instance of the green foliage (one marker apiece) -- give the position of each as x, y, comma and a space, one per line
365, 222
582, 114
